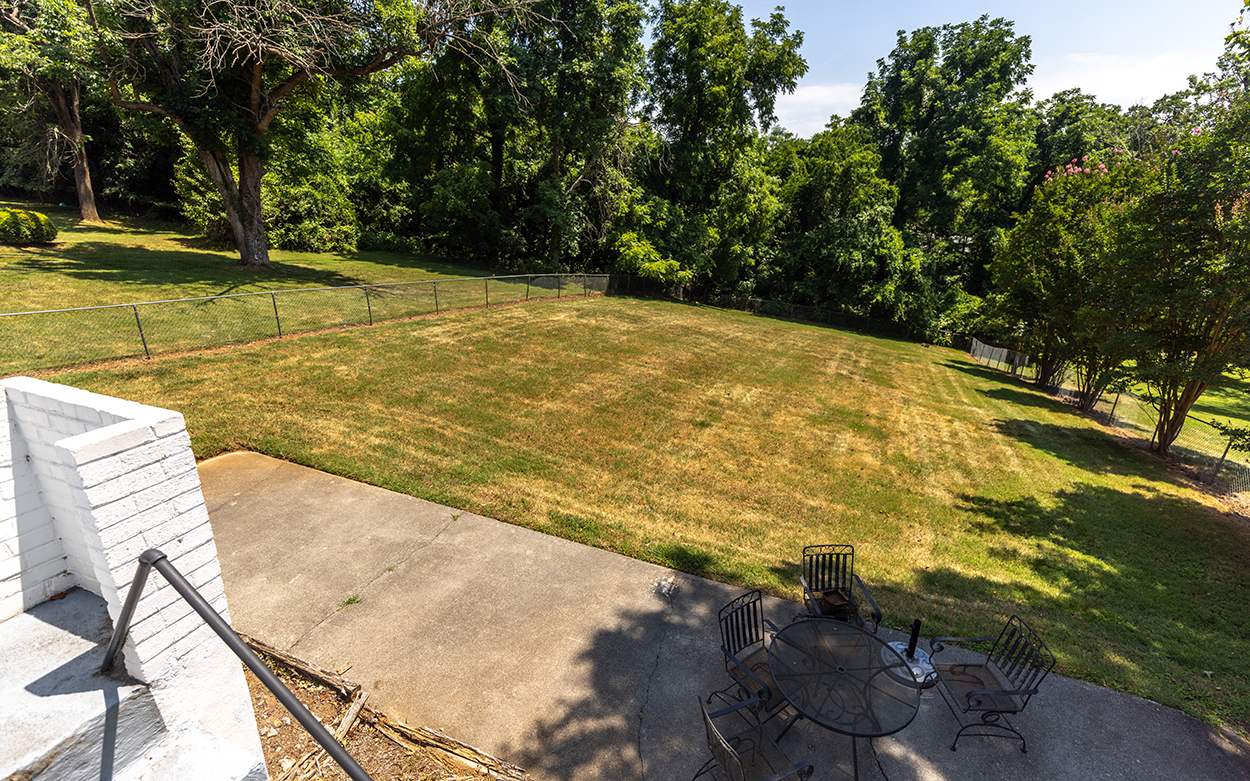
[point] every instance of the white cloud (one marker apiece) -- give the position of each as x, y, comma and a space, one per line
807, 111
1124, 81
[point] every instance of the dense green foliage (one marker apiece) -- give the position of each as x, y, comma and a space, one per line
22, 228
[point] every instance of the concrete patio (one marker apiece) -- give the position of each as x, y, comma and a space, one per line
577, 663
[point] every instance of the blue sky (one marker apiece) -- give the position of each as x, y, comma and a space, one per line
1124, 53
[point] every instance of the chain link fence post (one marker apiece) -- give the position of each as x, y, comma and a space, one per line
142, 337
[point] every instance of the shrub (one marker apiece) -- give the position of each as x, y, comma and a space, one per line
21, 228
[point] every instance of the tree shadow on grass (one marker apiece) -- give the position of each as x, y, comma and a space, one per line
982, 372
1164, 575
1090, 449
1025, 398
113, 263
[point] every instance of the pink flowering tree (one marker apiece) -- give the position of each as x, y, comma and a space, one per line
1186, 251
1055, 272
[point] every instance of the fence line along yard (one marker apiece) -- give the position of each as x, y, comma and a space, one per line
1200, 444
67, 337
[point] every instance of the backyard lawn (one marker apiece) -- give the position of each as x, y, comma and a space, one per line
720, 443
130, 260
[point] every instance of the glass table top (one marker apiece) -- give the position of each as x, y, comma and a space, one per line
843, 678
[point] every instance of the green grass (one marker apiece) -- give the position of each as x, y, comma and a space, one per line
130, 260
137, 261
720, 444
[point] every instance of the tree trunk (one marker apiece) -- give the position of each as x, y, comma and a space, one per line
64, 100
1173, 412
243, 204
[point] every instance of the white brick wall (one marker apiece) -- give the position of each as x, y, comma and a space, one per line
89, 482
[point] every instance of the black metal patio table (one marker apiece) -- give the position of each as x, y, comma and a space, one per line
844, 679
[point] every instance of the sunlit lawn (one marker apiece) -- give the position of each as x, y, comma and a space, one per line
130, 260
721, 443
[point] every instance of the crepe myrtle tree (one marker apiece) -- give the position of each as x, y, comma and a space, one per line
1186, 246
223, 70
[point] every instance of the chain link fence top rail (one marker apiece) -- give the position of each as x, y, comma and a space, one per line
68, 337
1199, 443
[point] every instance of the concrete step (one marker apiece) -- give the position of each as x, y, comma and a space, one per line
59, 717
191, 755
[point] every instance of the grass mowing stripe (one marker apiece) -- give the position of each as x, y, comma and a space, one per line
721, 443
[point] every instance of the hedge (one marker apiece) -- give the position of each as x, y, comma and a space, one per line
21, 228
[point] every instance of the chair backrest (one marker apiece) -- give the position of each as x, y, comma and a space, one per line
828, 567
742, 622
724, 754
1021, 656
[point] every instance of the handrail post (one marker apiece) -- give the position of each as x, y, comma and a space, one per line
153, 558
128, 609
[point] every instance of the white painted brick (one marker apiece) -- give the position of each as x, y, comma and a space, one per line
127, 551
180, 462
102, 471
108, 441
34, 556
202, 577
172, 633
11, 605
31, 416
66, 426
115, 512
124, 485
42, 451
151, 625
194, 559
170, 425
157, 451
8, 528
167, 490
45, 571
174, 539
190, 501
34, 537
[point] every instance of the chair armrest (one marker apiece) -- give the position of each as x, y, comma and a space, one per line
800, 770
748, 702
938, 644
765, 693
809, 599
876, 611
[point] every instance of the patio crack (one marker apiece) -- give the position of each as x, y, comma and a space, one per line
877, 757
666, 588
454, 516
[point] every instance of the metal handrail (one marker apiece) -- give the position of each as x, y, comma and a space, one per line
153, 558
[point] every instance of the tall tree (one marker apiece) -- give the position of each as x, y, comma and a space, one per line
223, 72
1056, 274
713, 86
49, 43
1187, 242
836, 246
954, 131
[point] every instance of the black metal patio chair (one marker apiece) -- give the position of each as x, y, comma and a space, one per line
742, 747
832, 589
744, 636
981, 696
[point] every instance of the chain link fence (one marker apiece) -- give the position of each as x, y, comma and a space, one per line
1199, 444
69, 337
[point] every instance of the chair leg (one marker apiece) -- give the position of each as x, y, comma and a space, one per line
987, 726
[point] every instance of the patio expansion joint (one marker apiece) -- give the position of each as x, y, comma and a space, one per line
667, 590
407, 558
